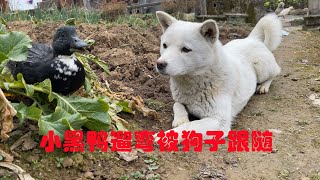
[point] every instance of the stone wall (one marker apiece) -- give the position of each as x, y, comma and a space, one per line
253, 8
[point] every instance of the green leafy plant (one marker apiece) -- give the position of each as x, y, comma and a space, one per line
59, 162
13, 46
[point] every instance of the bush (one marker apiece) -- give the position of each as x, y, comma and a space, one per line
111, 11
183, 6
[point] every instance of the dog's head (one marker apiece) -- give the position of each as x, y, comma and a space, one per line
186, 47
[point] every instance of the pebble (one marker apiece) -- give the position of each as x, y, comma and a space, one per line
88, 175
235, 165
67, 162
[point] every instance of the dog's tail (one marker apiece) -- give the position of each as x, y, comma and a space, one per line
268, 30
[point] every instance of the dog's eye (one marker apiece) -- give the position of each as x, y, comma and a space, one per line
165, 45
186, 50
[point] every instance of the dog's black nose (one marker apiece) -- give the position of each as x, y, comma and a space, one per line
161, 65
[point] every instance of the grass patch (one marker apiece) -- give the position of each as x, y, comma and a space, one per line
82, 16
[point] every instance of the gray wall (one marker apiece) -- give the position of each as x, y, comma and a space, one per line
153, 8
314, 6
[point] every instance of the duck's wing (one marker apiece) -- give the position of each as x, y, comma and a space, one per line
32, 72
40, 52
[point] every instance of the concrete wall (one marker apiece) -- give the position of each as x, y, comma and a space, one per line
152, 9
314, 6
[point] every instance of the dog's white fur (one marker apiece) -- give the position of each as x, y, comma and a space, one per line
213, 81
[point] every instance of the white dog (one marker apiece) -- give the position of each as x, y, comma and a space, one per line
211, 81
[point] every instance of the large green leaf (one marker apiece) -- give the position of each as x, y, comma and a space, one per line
89, 72
3, 57
2, 29
100, 63
24, 112
60, 121
15, 45
47, 88
29, 88
95, 110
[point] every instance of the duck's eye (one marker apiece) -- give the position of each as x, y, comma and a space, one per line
165, 45
62, 35
185, 49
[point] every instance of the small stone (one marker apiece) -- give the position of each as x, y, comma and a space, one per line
32, 159
286, 75
276, 131
274, 150
67, 162
98, 173
88, 175
295, 79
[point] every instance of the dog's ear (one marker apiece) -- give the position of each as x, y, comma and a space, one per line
209, 30
165, 20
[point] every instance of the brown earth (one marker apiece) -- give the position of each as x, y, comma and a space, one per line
131, 52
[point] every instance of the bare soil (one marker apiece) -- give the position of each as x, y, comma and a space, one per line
131, 52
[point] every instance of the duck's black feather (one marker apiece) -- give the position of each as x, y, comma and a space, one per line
32, 71
40, 52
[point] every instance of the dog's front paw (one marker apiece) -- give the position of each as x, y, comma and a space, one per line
261, 89
264, 87
179, 121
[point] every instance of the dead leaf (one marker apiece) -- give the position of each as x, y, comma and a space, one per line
7, 157
24, 139
18, 170
7, 112
128, 156
120, 124
139, 105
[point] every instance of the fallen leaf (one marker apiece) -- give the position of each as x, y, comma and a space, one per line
128, 156
7, 112
16, 169
139, 105
121, 124
21, 140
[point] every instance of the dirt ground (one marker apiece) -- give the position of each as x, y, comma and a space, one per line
286, 110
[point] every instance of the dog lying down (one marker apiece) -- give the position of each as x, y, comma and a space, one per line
213, 81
